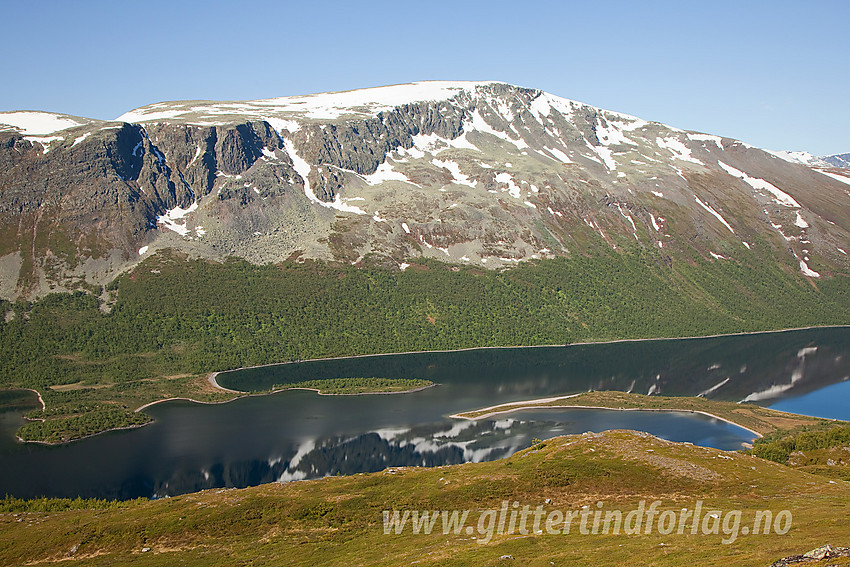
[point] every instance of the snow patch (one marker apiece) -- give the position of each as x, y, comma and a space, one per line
841, 178
545, 104
558, 154
606, 155
434, 144
679, 150
804, 158
143, 250
611, 135
171, 217
808, 271
148, 114
45, 141
303, 169
506, 179
385, 172
760, 184
367, 101
706, 138
388, 434
480, 125
198, 153
280, 124
654, 224
454, 169
628, 217
37, 123
800, 221
716, 214
80, 139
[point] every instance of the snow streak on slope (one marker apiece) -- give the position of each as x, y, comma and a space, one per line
781, 197
715, 213
611, 135
679, 150
842, 178
303, 169
80, 139
543, 105
480, 125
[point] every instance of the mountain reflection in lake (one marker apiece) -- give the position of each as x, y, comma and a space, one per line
299, 434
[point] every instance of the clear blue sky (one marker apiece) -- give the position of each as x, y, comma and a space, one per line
773, 74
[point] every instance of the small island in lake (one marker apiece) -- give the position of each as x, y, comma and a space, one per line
354, 386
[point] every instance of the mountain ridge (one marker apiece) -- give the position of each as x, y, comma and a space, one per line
480, 173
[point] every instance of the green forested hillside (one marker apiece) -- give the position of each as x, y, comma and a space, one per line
173, 320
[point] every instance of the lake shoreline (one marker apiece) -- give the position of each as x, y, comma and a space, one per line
270, 392
185, 399
212, 378
90, 435
530, 405
214, 375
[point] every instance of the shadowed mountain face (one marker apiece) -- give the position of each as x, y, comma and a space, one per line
471, 173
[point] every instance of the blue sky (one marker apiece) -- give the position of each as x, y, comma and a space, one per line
773, 74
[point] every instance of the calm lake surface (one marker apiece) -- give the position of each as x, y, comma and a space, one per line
831, 402
299, 434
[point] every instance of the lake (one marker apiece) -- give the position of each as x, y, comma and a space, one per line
298, 434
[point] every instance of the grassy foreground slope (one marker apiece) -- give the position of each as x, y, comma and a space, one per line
173, 321
339, 521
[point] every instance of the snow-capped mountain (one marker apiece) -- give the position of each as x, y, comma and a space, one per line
837, 160
801, 157
481, 173
805, 158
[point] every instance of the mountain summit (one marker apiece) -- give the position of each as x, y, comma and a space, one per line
481, 173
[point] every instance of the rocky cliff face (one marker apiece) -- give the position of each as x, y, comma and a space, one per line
479, 173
